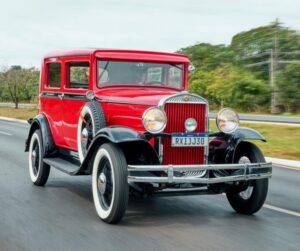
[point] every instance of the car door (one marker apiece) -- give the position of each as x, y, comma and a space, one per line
51, 98
76, 84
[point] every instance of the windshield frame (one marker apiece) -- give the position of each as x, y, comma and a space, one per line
183, 77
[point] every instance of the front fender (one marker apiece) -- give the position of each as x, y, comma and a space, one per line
136, 149
223, 146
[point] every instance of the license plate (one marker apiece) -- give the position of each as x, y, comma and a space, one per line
189, 140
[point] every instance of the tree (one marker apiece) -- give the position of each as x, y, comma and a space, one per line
254, 46
288, 81
207, 56
231, 86
20, 84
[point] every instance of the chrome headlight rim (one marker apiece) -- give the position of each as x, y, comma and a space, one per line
237, 120
146, 112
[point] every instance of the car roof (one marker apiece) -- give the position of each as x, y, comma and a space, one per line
90, 51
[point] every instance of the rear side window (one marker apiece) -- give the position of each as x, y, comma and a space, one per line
53, 74
78, 75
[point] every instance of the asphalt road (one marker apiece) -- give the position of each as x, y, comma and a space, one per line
61, 215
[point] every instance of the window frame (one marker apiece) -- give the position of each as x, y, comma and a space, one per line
100, 86
47, 75
68, 73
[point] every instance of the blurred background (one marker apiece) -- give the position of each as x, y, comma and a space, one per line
246, 56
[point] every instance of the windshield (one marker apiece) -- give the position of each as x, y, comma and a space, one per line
143, 73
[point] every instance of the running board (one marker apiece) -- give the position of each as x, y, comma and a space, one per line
63, 165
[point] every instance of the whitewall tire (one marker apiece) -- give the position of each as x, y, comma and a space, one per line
109, 183
38, 170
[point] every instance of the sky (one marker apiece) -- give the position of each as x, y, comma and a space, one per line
31, 28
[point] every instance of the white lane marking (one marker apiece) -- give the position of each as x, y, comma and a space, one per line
278, 209
5, 133
281, 210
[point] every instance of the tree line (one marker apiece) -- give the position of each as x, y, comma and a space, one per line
244, 75
19, 84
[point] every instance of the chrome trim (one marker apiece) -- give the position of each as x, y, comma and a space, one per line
164, 114
170, 169
178, 98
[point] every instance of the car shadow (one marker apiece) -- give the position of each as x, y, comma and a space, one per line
162, 211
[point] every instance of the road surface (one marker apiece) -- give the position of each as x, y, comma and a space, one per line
61, 215
266, 118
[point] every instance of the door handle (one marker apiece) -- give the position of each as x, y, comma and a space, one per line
61, 96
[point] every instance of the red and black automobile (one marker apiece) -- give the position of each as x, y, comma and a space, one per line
126, 118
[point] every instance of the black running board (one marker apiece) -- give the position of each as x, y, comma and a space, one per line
63, 165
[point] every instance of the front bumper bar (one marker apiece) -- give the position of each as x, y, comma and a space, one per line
248, 171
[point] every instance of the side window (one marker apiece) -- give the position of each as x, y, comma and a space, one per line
78, 75
53, 75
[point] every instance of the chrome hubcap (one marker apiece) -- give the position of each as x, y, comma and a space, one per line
246, 194
84, 135
33, 155
102, 183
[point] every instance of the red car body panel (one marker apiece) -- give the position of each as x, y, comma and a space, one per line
122, 104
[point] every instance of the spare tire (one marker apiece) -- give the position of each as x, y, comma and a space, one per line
91, 120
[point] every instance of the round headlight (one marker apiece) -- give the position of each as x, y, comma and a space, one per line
154, 120
227, 120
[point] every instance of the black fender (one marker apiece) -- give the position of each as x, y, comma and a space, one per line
41, 122
222, 148
137, 150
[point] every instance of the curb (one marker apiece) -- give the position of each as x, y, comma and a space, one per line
14, 120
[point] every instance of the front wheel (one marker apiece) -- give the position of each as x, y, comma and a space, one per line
109, 183
248, 197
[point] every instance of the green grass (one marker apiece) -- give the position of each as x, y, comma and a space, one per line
21, 113
282, 141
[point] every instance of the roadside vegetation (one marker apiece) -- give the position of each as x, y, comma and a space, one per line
244, 74
21, 113
282, 141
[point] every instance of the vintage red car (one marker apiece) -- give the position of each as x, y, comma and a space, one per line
126, 118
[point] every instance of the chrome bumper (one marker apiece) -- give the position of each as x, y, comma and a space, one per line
251, 171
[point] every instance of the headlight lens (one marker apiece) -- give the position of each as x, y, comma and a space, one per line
227, 120
154, 120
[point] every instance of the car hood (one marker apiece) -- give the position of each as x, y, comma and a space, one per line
134, 95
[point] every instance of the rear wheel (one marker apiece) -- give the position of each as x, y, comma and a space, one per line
109, 183
38, 170
248, 197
